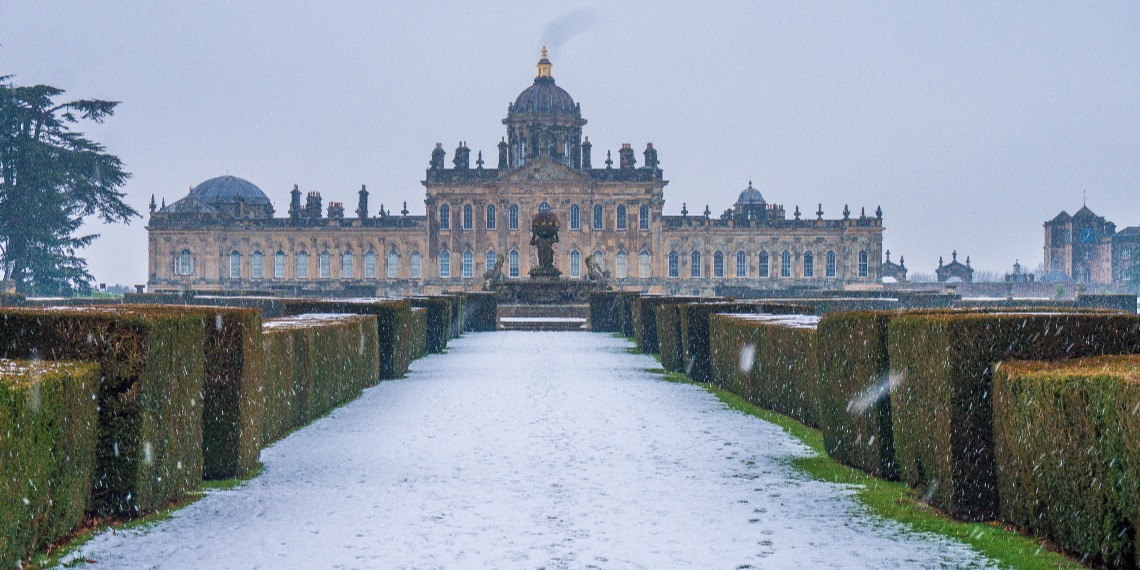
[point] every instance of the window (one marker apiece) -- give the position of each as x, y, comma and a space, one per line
468, 217
445, 217
491, 222
600, 257
622, 265
829, 269
370, 265
544, 207
414, 265
598, 217
279, 265
468, 264
575, 217
513, 223
809, 264
575, 264
491, 260
741, 264
621, 217
257, 265
762, 264
674, 264
185, 265
513, 262
325, 265
643, 218
643, 267
346, 268
862, 264
785, 264
718, 264
393, 264
695, 264
302, 265
444, 265
235, 265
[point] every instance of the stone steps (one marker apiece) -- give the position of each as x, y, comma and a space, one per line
542, 324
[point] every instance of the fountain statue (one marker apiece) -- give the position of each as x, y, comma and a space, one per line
544, 234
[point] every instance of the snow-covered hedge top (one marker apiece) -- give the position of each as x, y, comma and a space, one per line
793, 321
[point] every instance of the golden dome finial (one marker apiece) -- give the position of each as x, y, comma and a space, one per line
543, 51
544, 66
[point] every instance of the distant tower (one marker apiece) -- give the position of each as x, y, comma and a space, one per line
362, 203
544, 121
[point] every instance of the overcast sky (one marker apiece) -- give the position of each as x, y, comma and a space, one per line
969, 123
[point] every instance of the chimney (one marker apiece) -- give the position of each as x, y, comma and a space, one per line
586, 148
295, 203
650, 157
626, 160
503, 154
313, 206
462, 158
336, 210
362, 203
437, 156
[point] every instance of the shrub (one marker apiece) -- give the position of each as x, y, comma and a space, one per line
285, 389
1062, 461
669, 337
438, 321
604, 313
727, 344
48, 427
482, 312
418, 326
458, 313
625, 302
643, 312
152, 369
391, 314
785, 373
941, 406
694, 329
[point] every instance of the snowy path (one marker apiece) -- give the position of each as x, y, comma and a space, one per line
529, 450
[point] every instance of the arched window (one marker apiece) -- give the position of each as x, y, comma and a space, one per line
830, 267
762, 264
302, 265
621, 217
444, 264
279, 265
393, 264
185, 265
235, 265
809, 264
468, 217
346, 269
644, 269
513, 222
621, 265
257, 265
598, 223
370, 265
445, 217
643, 217
468, 264
513, 263
544, 207
674, 264
491, 259
575, 264
863, 264
741, 265
414, 265
718, 264
785, 264
491, 222
325, 265
575, 217
695, 264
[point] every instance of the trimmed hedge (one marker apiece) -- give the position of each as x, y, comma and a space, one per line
643, 312
438, 321
458, 313
418, 330
854, 396
604, 314
48, 433
694, 329
287, 372
731, 362
1062, 462
625, 302
391, 315
149, 450
482, 312
669, 337
941, 407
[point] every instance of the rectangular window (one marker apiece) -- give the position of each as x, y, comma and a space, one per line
643, 265
513, 221
621, 217
279, 265
674, 265
414, 266
468, 265
575, 218
862, 264
718, 264
346, 266
468, 217
445, 217
741, 265
621, 266
444, 265
643, 218
491, 260
257, 266
786, 264
491, 216
235, 265
829, 268
302, 265
598, 224
575, 264
762, 267
513, 262
393, 265
326, 265
370, 265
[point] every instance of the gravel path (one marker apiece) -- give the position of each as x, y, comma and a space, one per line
530, 450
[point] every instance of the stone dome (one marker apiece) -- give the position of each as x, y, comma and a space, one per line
227, 190
544, 97
750, 195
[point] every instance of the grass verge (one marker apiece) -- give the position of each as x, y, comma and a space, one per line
894, 500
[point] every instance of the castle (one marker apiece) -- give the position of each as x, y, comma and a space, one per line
224, 236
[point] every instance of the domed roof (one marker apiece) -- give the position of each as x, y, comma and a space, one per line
227, 190
750, 195
544, 96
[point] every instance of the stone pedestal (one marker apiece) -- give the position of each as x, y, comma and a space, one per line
552, 291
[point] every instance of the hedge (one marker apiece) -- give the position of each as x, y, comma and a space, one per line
625, 303
438, 321
642, 312
458, 313
694, 329
604, 313
391, 314
48, 433
785, 373
941, 409
854, 397
417, 326
669, 337
1062, 462
482, 312
731, 361
149, 450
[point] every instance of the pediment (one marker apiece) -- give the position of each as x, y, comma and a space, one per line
545, 170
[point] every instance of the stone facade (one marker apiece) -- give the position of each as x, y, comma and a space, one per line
1086, 248
223, 236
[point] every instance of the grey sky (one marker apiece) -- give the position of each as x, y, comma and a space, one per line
969, 123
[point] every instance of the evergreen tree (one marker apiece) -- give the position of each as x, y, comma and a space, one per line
51, 179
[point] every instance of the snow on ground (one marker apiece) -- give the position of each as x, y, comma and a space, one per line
530, 450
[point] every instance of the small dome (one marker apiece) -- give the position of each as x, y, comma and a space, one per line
750, 195
227, 190
544, 97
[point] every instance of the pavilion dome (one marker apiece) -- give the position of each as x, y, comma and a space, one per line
228, 190
544, 96
750, 195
